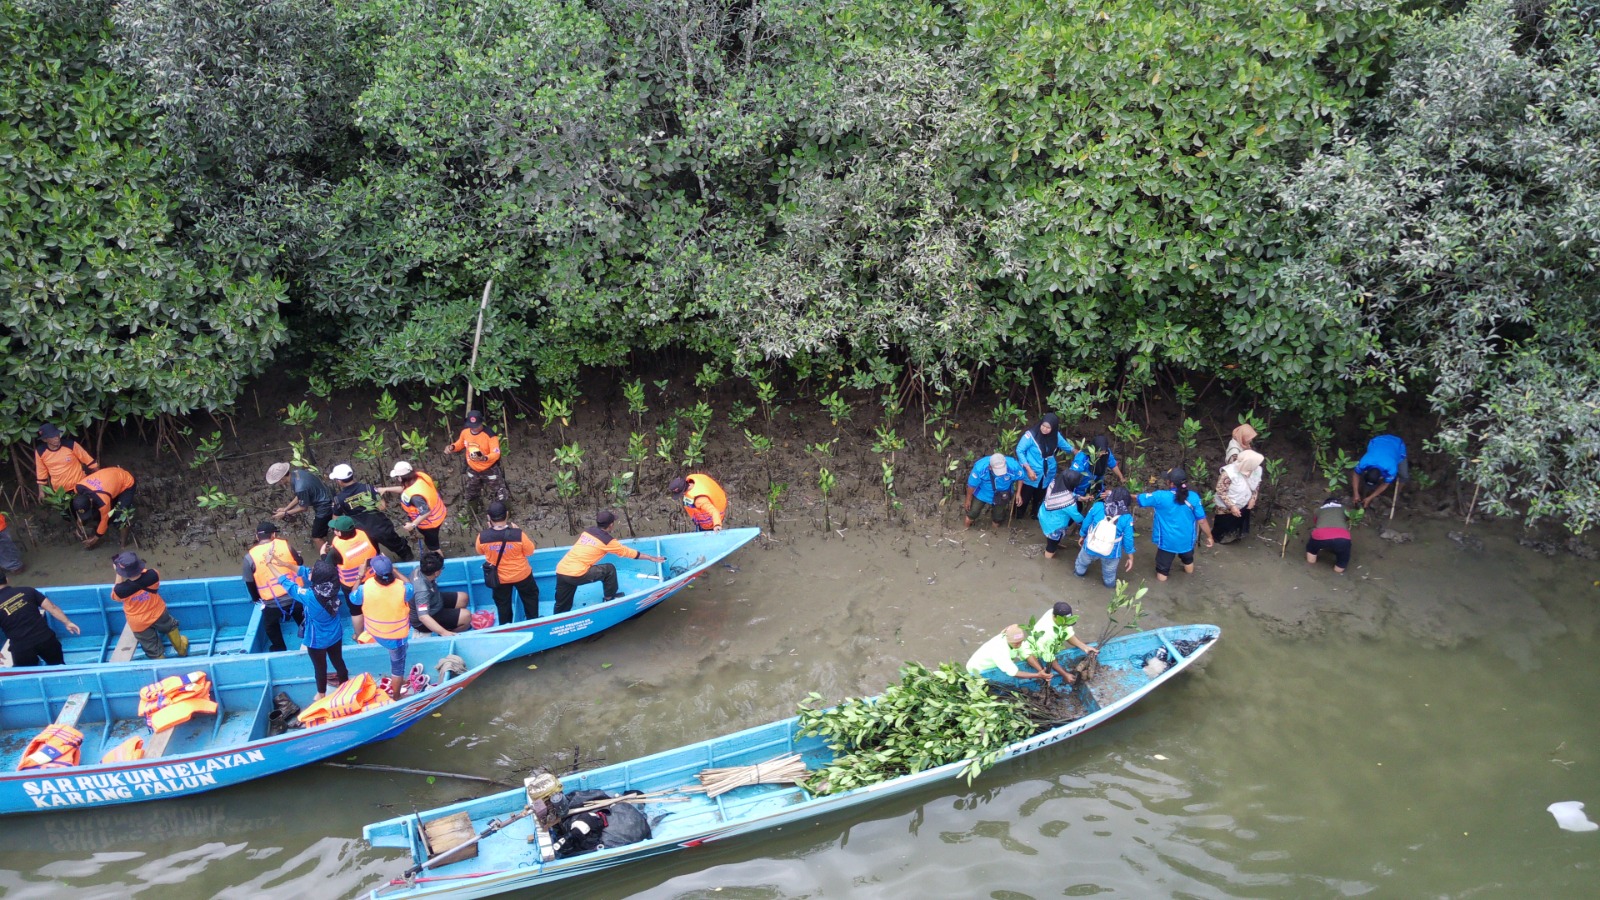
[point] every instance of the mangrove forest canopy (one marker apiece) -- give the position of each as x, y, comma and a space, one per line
1324, 203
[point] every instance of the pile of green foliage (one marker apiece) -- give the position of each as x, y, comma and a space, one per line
931, 718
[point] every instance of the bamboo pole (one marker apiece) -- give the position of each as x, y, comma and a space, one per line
477, 338
1396, 504
1474, 504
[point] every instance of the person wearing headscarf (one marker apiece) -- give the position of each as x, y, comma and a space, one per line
1238, 486
1059, 510
1178, 511
317, 589
1036, 450
1114, 511
1243, 439
991, 486
1093, 462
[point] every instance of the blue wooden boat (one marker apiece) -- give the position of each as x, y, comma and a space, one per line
506, 860
220, 619
208, 751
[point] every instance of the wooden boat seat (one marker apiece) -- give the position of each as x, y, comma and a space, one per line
73, 709
156, 745
123, 652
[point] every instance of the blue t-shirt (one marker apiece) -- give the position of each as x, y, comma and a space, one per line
1029, 453
1384, 453
987, 482
1124, 544
1084, 462
1173, 529
324, 628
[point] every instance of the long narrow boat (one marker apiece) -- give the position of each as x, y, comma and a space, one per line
213, 750
220, 619
509, 859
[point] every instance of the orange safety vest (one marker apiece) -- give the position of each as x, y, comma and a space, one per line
143, 607
3, 522
359, 694
272, 560
387, 615
430, 492
355, 551
129, 750
701, 485
176, 699
56, 747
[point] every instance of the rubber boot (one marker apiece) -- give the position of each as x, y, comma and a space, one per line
180, 644
276, 724
287, 710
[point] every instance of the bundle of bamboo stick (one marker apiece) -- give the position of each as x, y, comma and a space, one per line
783, 770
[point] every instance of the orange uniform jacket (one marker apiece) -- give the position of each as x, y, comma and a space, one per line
591, 547
109, 483
513, 565
62, 468
141, 599
483, 442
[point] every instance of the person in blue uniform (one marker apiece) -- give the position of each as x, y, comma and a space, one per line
1384, 461
1178, 513
992, 486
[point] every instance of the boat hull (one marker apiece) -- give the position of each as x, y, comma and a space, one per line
210, 751
505, 863
221, 620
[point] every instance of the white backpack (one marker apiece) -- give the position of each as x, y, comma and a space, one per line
1102, 538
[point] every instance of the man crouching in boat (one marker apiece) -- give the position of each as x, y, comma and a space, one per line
1002, 651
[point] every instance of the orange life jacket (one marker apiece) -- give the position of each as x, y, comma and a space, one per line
429, 491
701, 485
273, 559
128, 751
356, 695
56, 747
355, 551
385, 611
176, 699
3, 522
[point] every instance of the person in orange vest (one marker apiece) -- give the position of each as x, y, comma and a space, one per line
106, 496
349, 549
386, 599
59, 461
138, 590
266, 560
419, 497
23, 625
482, 450
582, 563
704, 501
10, 556
505, 550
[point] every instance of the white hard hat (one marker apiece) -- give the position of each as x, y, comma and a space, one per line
342, 472
401, 469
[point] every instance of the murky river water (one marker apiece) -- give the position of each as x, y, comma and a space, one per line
1395, 732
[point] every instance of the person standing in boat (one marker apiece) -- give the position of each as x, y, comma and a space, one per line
317, 589
505, 549
991, 487
24, 627
1330, 530
1179, 511
138, 589
1036, 451
582, 563
1383, 463
264, 563
385, 598
308, 493
1050, 635
1002, 652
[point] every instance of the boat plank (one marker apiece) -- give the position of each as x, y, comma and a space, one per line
123, 651
72, 711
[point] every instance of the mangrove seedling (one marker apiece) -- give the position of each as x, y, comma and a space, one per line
1125, 612
1007, 413
373, 446
208, 451
774, 503
694, 452
633, 392
890, 504
415, 444
567, 489
213, 497
709, 377
1249, 417
740, 413
838, 408
570, 456
554, 410
1187, 432
825, 485
1289, 529
619, 490
387, 408
767, 396
1008, 441
888, 442
699, 416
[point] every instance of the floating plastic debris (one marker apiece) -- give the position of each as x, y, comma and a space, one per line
1569, 815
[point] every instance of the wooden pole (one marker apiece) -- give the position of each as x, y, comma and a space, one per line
477, 338
1474, 504
1396, 505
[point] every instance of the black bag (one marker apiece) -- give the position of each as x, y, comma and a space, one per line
491, 570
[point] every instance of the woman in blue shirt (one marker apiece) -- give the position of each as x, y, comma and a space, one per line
1093, 462
1177, 511
1114, 508
1036, 450
1059, 510
317, 588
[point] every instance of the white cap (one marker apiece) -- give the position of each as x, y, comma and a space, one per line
342, 472
401, 469
997, 464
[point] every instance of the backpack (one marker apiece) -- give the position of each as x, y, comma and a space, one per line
1102, 538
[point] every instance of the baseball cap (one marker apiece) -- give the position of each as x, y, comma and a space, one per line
49, 431
604, 517
342, 523
474, 418
342, 472
401, 469
1062, 608
678, 486
497, 511
382, 567
265, 528
276, 472
997, 464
